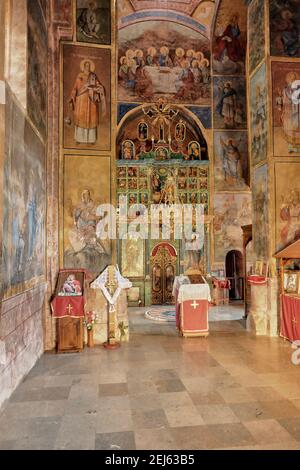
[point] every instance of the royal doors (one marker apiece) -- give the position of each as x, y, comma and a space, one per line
163, 269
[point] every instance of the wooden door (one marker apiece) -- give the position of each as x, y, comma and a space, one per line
163, 263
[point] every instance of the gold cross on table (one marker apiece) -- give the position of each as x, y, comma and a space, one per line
194, 305
69, 308
294, 321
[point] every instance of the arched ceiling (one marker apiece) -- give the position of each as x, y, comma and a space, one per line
196, 14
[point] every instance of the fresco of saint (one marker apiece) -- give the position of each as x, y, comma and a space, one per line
290, 113
290, 216
229, 43
87, 95
227, 105
284, 28
232, 166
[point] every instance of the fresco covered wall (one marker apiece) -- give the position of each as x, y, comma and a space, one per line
86, 132
24, 205
259, 115
275, 149
285, 132
231, 168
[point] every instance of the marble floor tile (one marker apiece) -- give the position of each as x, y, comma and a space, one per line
145, 402
81, 406
76, 434
179, 416
288, 390
268, 431
115, 441
211, 436
292, 425
109, 421
7, 445
265, 393
154, 439
169, 386
121, 402
251, 411
217, 414
149, 419
206, 398
169, 400
235, 395
113, 390
41, 394
281, 409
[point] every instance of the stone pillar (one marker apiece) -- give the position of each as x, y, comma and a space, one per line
257, 318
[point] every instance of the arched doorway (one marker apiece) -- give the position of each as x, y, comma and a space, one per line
235, 274
163, 272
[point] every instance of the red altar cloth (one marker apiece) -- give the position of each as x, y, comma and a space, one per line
194, 300
290, 317
68, 306
194, 318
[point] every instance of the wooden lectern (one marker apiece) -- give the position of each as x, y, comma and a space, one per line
68, 307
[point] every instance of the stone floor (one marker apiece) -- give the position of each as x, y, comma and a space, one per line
161, 391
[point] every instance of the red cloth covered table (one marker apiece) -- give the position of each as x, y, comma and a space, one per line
194, 318
290, 317
194, 301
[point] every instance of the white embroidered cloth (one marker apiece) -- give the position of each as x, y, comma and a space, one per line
194, 292
179, 281
121, 282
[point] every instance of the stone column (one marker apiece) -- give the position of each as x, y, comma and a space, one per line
257, 318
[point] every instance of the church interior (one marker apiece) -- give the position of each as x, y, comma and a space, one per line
120, 329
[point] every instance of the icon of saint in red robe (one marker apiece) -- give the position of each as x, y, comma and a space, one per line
229, 44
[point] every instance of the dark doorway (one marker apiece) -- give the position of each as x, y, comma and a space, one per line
235, 274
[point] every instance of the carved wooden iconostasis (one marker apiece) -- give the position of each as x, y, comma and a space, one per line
162, 159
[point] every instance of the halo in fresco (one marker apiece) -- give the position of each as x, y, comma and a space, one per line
160, 59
